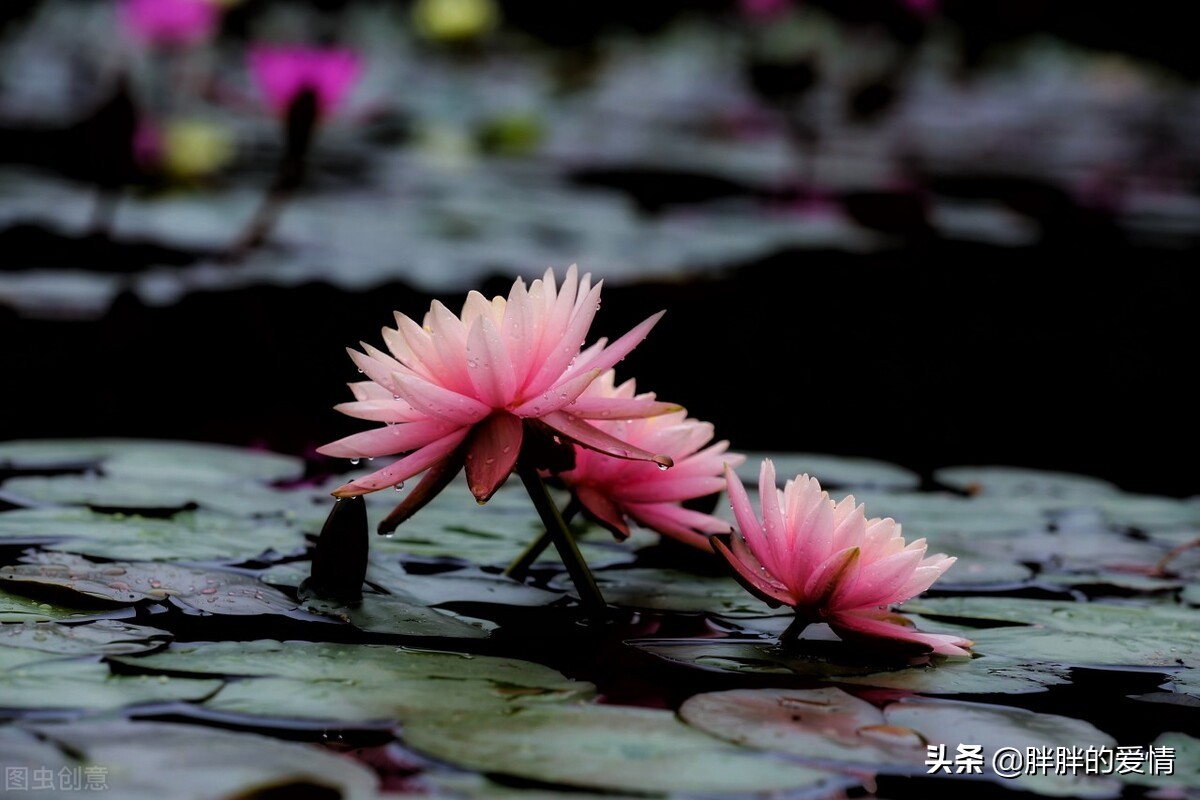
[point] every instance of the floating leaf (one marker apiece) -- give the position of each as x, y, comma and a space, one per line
834, 472
18, 608
468, 585
613, 748
953, 722
186, 536
1178, 766
360, 683
152, 760
84, 684
822, 724
671, 590
1001, 481
196, 461
102, 637
125, 583
381, 613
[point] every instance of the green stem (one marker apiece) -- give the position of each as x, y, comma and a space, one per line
589, 594
791, 636
519, 568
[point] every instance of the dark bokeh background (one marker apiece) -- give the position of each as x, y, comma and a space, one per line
1074, 352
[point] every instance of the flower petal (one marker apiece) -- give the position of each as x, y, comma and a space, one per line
413, 463
609, 356
688, 526
879, 583
388, 440
747, 522
435, 479
620, 408
439, 402
892, 631
489, 364
749, 574
556, 397
492, 452
592, 437
833, 578
599, 506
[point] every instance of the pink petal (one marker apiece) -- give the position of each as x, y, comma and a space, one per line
378, 370
881, 629
749, 574
747, 523
449, 339
879, 582
381, 410
774, 530
587, 435
688, 526
405, 468
439, 402
666, 488
921, 579
491, 454
609, 356
604, 510
435, 479
619, 408
489, 365
388, 440
567, 344
556, 397
832, 579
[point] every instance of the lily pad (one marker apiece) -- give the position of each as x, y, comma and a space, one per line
468, 585
148, 492
198, 461
822, 724
381, 613
1003, 481
671, 590
102, 637
604, 747
202, 763
126, 583
836, 472
993, 727
1178, 765
18, 608
360, 683
186, 536
74, 684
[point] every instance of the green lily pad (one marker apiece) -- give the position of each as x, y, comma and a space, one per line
470, 786
139, 492
612, 748
197, 461
186, 536
102, 637
18, 608
73, 684
381, 613
360, 683
823, 724
953, 723
25, 752
1149, 512
1176, 766
152, 760
671, 590
1001, 481
839, 472
126, 583
468, 585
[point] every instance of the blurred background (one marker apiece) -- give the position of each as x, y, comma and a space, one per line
929, 231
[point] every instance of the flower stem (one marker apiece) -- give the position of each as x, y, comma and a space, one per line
589, 594
791, 636
519, 568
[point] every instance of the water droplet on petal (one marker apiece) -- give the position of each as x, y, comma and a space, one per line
506, 449
489, 461
399, 487
662, 467
354, 462
370, 458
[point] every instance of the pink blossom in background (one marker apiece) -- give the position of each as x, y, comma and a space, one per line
922, 8
612, 491
763, 9
832, 564
283, 72
464, 390
170, 22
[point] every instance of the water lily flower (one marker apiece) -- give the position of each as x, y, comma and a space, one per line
170, 22
614, 491
283, 73
832, 564
475, 388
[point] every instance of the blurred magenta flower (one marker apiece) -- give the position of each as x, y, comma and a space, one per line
473, 389
283, 72
763, 9
612, 491
922, 8
170, 22
831, 563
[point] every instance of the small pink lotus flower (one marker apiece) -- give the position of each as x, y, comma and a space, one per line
284, 72
470, 389
831, 563
170, 22
612, 491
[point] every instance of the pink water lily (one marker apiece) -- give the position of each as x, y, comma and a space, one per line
476, 388
831, 563
614, 491
283, 72
170, 22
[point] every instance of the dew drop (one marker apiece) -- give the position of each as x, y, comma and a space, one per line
506, 449
662, 467
399, 487
370, 458
360, 370
208, 590
155, 583
354, 462
489, 461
